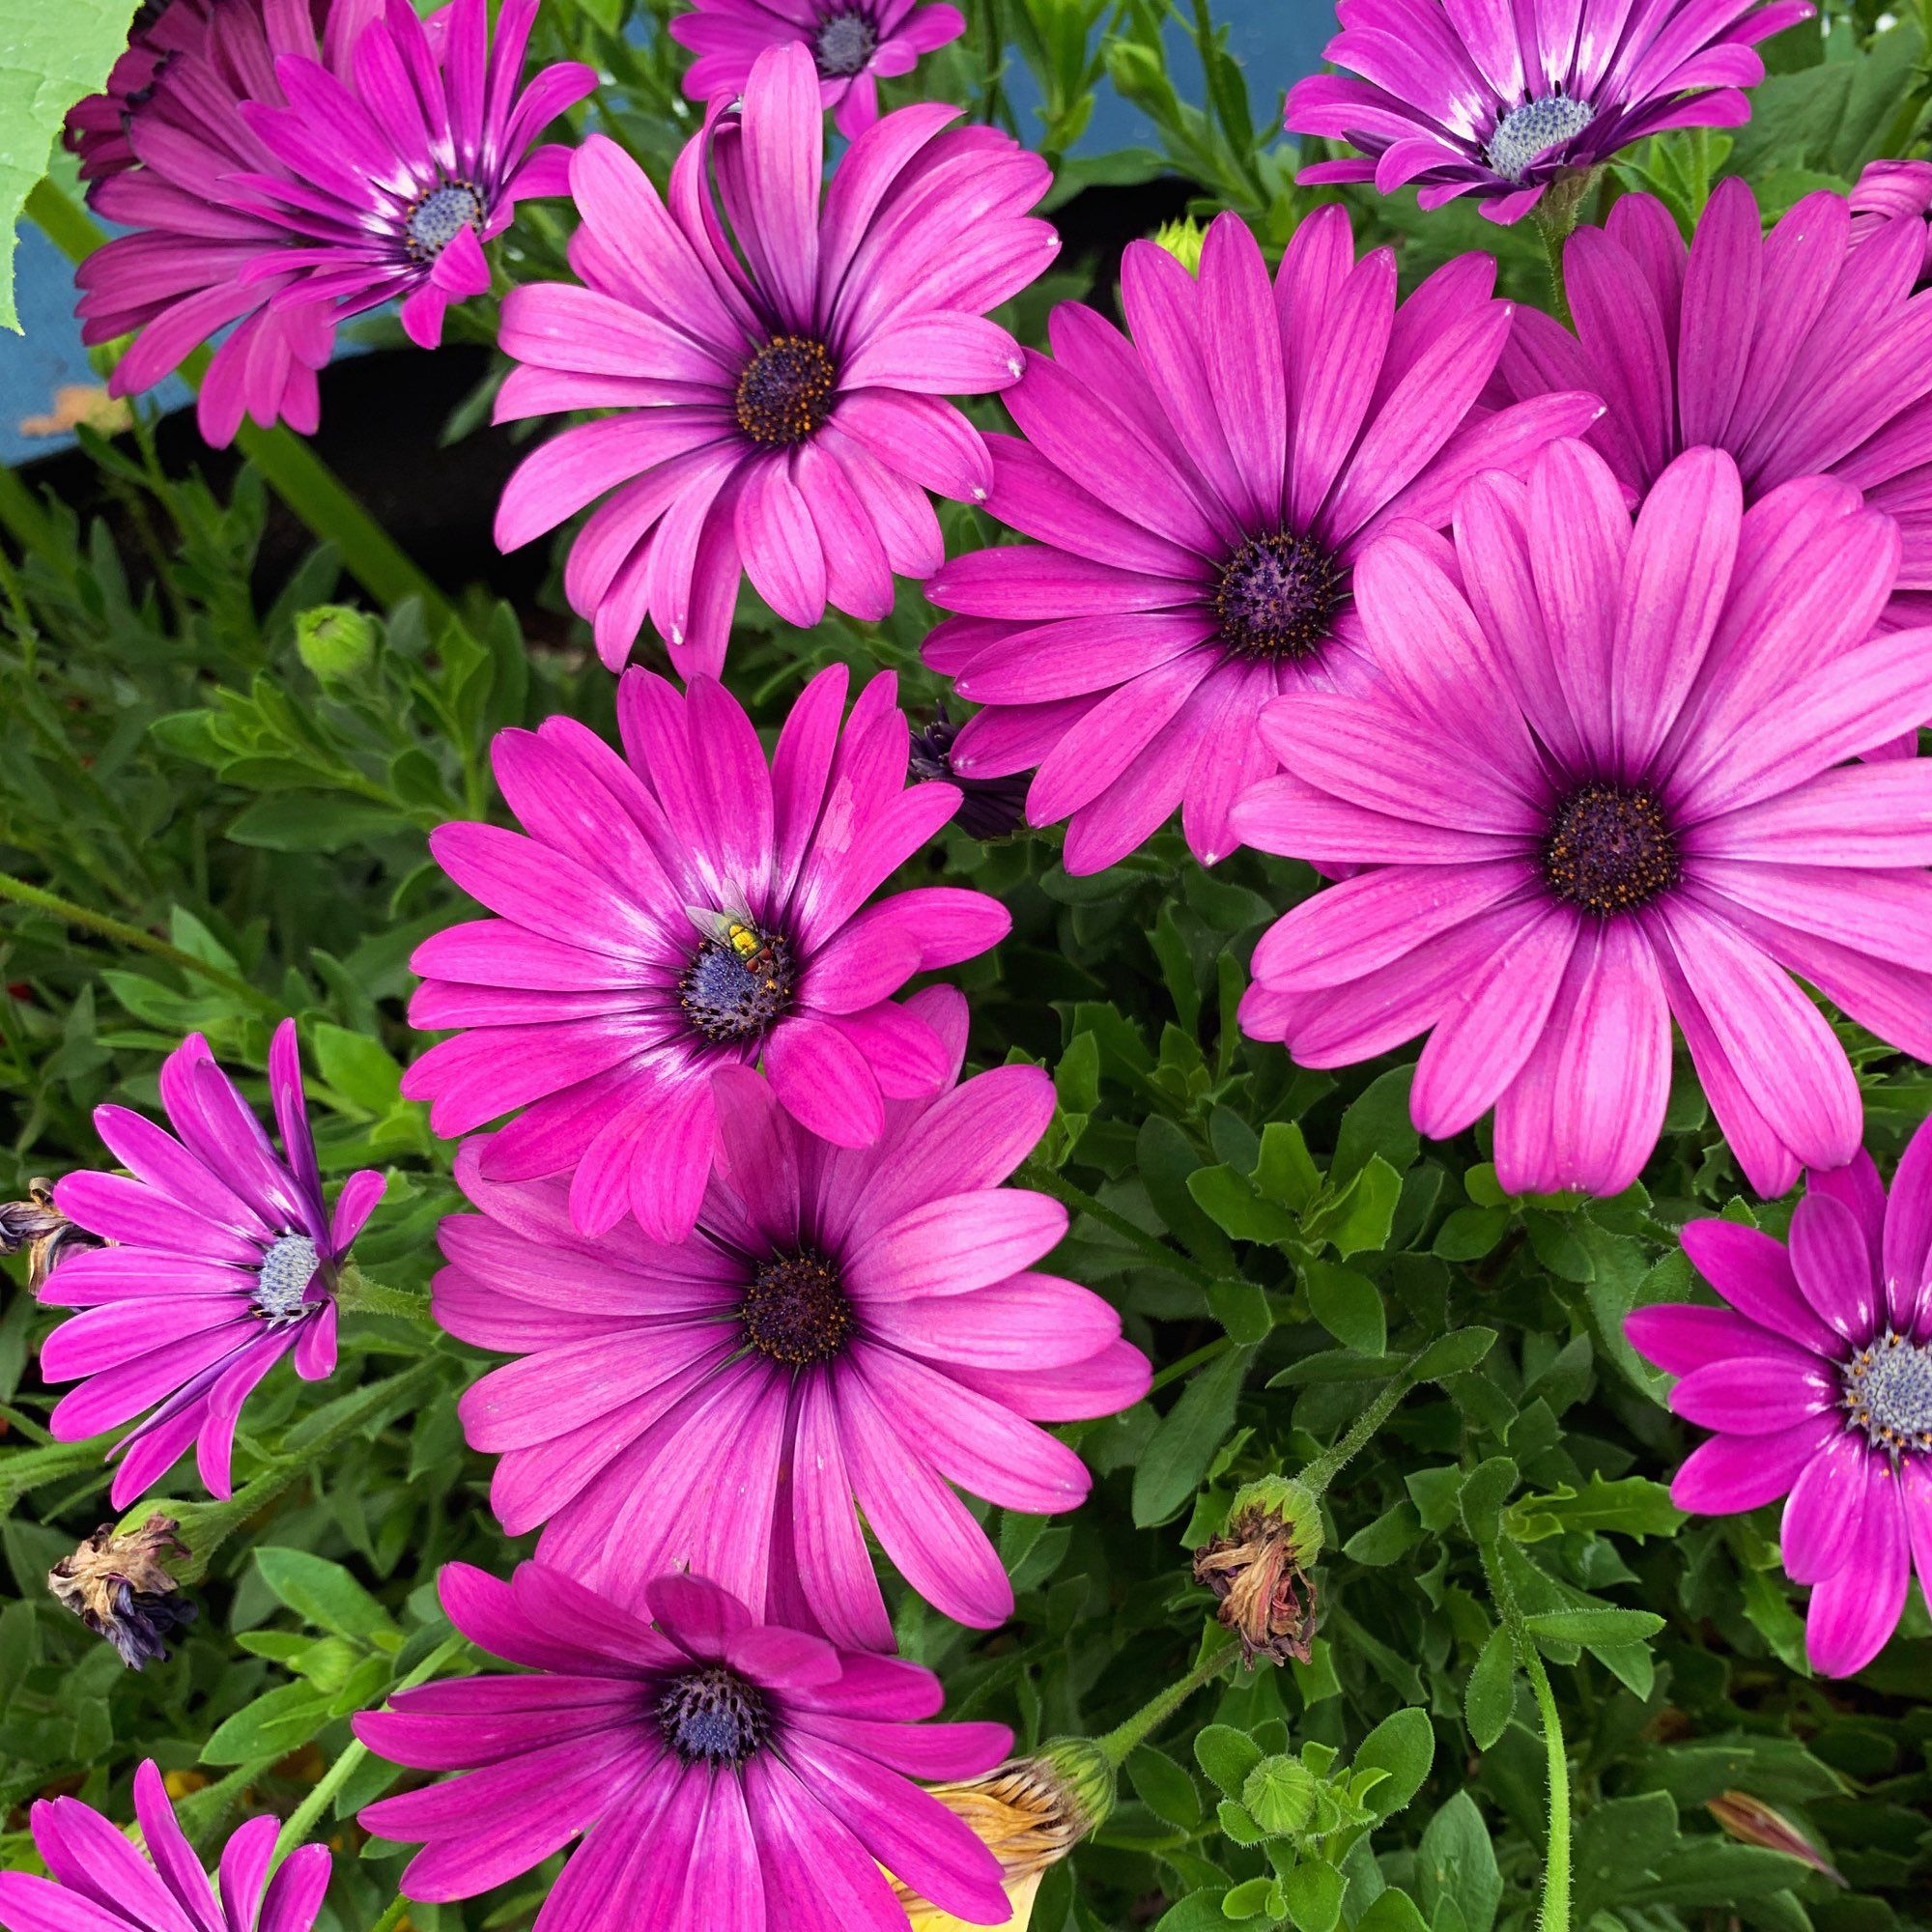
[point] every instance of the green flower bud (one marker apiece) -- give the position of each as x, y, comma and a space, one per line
336, 640
1183, 241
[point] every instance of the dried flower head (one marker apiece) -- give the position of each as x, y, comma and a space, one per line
1259, 1570
1752, 1822
119, 1588
37, 1225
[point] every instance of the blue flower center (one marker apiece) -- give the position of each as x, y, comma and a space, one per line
713, 1715
1610, 849
282, 1280
844, 44
1888, 1393
434, 220
785, 391
1277, 597
795, 1311
1528, 131
737, 986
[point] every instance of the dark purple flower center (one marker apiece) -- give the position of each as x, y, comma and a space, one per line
1277, 597
1888, 1393
712, 1716
738, 985
786, 392
1529, 131
988, 808
844, 44
282, 1280
1610, 849
795, 1311
436, 219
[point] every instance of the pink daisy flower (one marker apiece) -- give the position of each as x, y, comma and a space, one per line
1890, 191
97, 1881
722, 1771
840, 1324
1800, 351
853, 44
1602, 787
1199, 497
221, 1258
391, 177
1817, 1379
776, 370
692, 909
1483, 98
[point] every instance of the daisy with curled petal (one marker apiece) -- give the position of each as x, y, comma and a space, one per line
1198, 498
1499, 99
853, 44
1802, 352
1603, 785
97, 1881
1889, 192
687, 907
391, 176
1816, 1376
775, 367
725, 1773
221, 1258
842, 1323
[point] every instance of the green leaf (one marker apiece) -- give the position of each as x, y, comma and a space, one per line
1378, 1123
1279, 1795
1164, 1787
1349, 1305
1835, 116
1392, 1911
1595, 1629
1631, 1506
1484, 1490
1199, 1911
325, 1596
1313, 1893
1402, 1744
1491, 1691
1392, 1534
1229, 1199
1456, 1865
1285, 1171
1183, 1443
1249, 1899
309, 821
280, 1720
50, 57
1227, 1755
1358, 1219
357, 1067
1452, 1354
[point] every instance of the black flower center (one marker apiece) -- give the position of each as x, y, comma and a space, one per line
434, 220
1610, 849
287, 1266
844, 44
737, 986
713, 1715
795, 1311
784, 394
1277, 597
1888, 1393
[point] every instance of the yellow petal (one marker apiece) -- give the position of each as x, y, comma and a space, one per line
1020, 1893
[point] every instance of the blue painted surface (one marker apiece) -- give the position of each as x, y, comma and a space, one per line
1275, 40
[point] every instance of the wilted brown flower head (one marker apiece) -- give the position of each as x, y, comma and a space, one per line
1752, 1822
119, 1588
37, 1225
1259, 1570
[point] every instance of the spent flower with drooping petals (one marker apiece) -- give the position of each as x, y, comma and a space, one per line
775, 369
1603, 785
220, 1259
689, 907
119, 1585
841, 1324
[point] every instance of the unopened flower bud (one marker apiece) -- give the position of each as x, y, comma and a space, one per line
1029, 1813
988, 808
335, 640
1752, 1822
1183, 241
1258, 1569
117, 1586
37, 1225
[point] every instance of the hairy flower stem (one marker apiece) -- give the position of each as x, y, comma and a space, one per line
356, 1293
292, 470
1328, 1465
1119, 1743
123, 935
302, 1819
392, 1914
1555, 215
1049, 1182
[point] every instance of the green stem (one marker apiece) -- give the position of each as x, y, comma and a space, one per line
1555, 216
1049, 1182
32, 1468
357, 1294
1119, 1742
1328, 1465
123, 935
1187, 1364
392, 1914
1555, 1913
292, 468
302, 1818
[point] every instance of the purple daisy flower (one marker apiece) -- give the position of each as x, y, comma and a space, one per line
1499, 100
853, 44
1801, 353
723, 1773
95, 130
221, 1258
775, 371
840, 1324
1890, 191
99, 1882
695, 908
1603, 786
390, 179
1199, 497
1817, 1379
